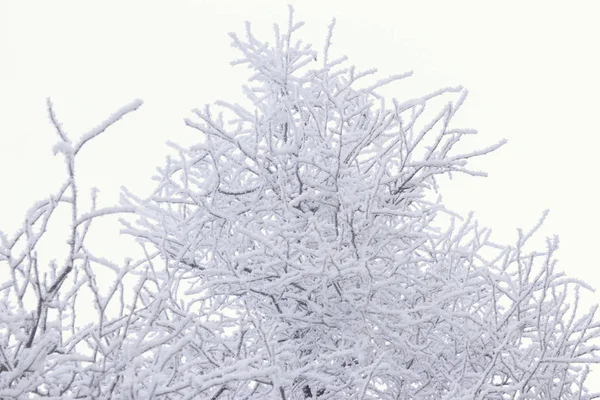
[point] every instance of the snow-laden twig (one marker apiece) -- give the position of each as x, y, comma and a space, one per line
112, 118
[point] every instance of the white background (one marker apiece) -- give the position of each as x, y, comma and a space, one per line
532, 69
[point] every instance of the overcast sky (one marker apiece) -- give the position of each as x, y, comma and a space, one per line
532, 69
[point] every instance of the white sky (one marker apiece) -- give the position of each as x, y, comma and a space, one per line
532, 69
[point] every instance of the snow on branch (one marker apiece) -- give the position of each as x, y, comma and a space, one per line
114, 117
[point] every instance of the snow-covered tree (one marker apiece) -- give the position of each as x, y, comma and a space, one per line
299, 250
